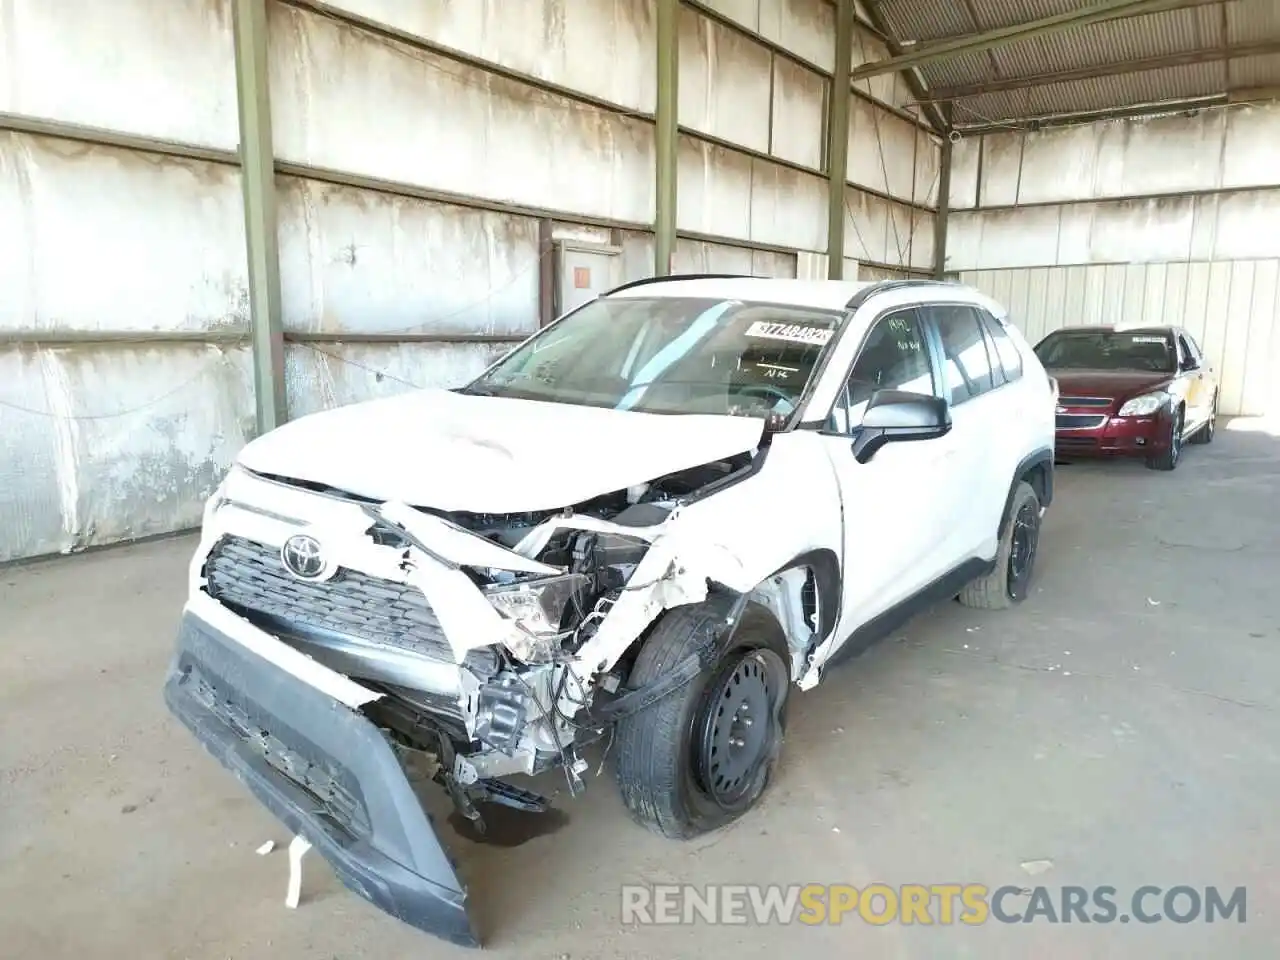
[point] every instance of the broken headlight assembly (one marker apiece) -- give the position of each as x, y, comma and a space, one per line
536, 610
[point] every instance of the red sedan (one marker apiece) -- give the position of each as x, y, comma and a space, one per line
1130, 392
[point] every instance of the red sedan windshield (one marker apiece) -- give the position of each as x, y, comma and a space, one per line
1147, 351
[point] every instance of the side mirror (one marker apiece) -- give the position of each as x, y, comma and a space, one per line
1190, 364
893, 416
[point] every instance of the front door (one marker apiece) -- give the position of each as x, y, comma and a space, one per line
896, 505
1198, 381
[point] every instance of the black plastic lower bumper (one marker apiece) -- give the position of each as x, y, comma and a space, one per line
324, 770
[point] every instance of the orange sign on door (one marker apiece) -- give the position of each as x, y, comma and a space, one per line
582, 278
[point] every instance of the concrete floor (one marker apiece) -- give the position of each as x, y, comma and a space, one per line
1121, 724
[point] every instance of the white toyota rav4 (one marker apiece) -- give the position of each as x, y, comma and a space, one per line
647, 524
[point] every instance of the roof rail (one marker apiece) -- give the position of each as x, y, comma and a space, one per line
678, 276
880, 286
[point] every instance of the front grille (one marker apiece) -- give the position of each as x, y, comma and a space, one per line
1079, 421
1076, 443
249, 576
1085, 401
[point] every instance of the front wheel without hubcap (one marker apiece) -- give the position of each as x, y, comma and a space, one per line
702, 756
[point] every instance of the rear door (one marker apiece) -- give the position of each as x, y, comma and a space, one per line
981, 437
1200, 385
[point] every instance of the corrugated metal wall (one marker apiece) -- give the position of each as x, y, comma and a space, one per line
423, 153
1168, 220
1230, 307
124, 370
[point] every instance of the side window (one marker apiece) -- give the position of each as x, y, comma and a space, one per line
1010, 360
964, 348
895, 356
1195, 347
1187, 354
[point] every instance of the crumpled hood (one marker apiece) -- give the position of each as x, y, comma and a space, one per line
449, 451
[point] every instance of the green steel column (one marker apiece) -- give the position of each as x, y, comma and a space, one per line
257, 177
944, 210
666, 136
838, 139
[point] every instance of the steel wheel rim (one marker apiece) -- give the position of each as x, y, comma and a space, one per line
1022, 547
739, 731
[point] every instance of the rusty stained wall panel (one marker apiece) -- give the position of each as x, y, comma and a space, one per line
163, 70
886, 232
728, 194
884, 150
1234, 226
890, 88
701, 256
1232, 308
600, 47
326, 375
350, 101
804, 27
964, 173
724, 82
1215, 149
358, 261
103, 239
798, 113
106, 443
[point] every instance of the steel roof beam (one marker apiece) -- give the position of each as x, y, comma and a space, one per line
872, 7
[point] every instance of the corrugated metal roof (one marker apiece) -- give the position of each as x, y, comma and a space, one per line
1200, 26
1099, 93
1255, 72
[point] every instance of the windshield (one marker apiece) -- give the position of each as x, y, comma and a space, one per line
1147, 351
670, 355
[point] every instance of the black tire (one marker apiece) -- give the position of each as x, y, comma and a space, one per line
664, 760
1008, 582
1171, 455
1205, 433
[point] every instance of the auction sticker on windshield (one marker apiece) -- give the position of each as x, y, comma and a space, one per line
795, 332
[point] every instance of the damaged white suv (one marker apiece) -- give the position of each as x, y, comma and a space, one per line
649, 523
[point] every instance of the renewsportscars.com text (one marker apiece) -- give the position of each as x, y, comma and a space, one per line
970, 904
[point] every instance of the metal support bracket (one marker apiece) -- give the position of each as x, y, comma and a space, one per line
257, 175
666, 137
838, 139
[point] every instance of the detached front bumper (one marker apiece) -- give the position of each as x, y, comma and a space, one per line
324, 770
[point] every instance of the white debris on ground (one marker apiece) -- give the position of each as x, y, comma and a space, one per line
266, 848
298, 848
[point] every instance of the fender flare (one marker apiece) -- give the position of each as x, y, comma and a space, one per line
827, 573
1042, 458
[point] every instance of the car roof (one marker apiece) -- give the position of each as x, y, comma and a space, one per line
1119, 328
821, 294
824, 294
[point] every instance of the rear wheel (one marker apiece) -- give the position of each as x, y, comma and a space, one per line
703, 756
1010, 579
1167, 459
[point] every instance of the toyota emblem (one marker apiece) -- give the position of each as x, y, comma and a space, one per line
302, 556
